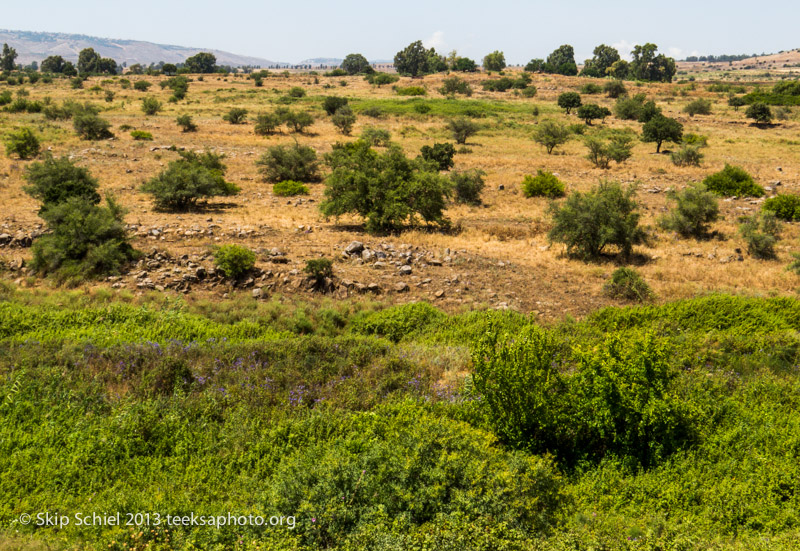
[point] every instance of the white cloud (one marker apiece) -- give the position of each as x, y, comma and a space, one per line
624, 48
436, 40
677, 53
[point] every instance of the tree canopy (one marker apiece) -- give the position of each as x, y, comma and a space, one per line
202, 62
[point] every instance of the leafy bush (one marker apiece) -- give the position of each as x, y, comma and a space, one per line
296, 92
319, 269
591, 111
141, 135
294, 162
785, 206
636, 108
699, 106
54, 181
267, 123
591, 88
687, 155
192, 178
760, 112
695, 209
289, 188
186, 123
151, 105
142, 85
468, 186
498, 84
297, 121
90, 126
440, 153
380, 79
569, 101
376, 137
332, 103
733, 181
344, 119
761, 232
529, 91
387, 189
234, 260
551, 134
662, 129
22, 143
627, 284
589, 222
374, 112
462, 128
544, 184
455, 85
5, 97
411, 91
235, 115
617, 148
615, 89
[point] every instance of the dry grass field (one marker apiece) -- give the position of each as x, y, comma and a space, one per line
498, 256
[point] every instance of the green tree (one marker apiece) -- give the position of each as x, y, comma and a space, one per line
569, 101
415, 60
736, 102
562, 61
186, 123
236, 115
88, 61
53, 64
535, 66
289, 162
151, 105
7, 59
455, 85
495, 61
551, 134
662, 129
617, 148
202, 62
646, 65
600, 65
356, 64
441, 154
760, 112
53, 181
169, 69
90, 126
462, 128
464, 65
696, 207
344, 119
589, 222
591, 111
267, 123
387, 189
192, 178
761, 232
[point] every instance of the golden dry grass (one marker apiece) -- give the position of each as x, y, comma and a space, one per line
507, 229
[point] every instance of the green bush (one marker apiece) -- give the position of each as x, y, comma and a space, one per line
319, 269
591, 111
695, 209
5, 97
591, 88
267, 124
617, 148
785, 206
660, 129
626, 283
551, 134
387, 189
189, 180
544, 184
296, 92
699, 106
455, 85
411, 91
236, 115
380, 79
687, 155
22, 143
761, 232
142, 85
54, 181
289, 188
289, 162
344, 119
90, 126
589, 222
376, 137
441, 154
760, 112
498, 84
297, 121
569, 101
186, 123
733, 181
697, 140
332, 103
234, 260
141, 135
468, 185
615, 89
151, 105
462, 128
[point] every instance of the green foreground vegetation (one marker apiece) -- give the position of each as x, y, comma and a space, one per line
645, 428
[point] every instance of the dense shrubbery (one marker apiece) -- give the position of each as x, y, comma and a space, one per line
626, 283
289, 188
440, 153
785, 206
544, 184
293, 162
617, 147
733, 180
234, 260
189, 180
589, 222
695, 209
468, 185
761, 232
90, 126
23, 143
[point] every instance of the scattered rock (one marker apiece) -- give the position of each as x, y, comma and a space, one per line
405, 269
257, 292
354, 248
401, 287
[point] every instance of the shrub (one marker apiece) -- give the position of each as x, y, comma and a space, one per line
186, 123
5, 98
411, 91
234, 260
297, 121
529, 91
267, 123
591, 111
375, 112
627, 284
462, 128
296, 92
141, 85
617, 148
109, 96
699, 106
76, 83
468, 186
84, 240
761, 232
332, 103
589, 222
294, 162
455, 85
422, 108
179, 86
662, 129
151, 105
141, 135
236, 115
189, 180
544, 184
695, 209
760, 112
387, 189
590, 88
441, 154
22, 143
498, 84
54, 181
569, 101
687, 155
736, 102
376, 136
90, 126
319, 269
289, 188
380, 79
615, 89
344, 119
786, 207
697, 140
733, 181
551, 134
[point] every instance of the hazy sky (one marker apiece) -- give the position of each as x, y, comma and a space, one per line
292, 30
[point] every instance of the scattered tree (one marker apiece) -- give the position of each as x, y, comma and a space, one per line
761, 232
662, 129
591, 111
696, 207
760, 112
189, 180
151, 105
441, 154
495, 61
462, 128
699, 106
569, 101
646, 65
235, 115
551, 134
292, 162
562, 61
468, 185
7, 59
186, 123
344, 119
202, 62
356, 64
617, 148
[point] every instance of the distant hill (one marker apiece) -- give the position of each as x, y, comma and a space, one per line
35, 46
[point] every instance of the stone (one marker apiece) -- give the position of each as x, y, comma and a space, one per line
439, 293
405, 269
401, 287
354, 247
257, 292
